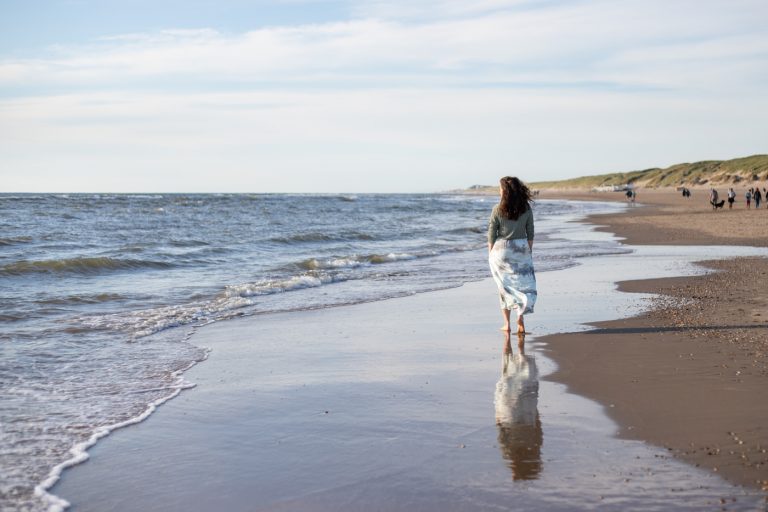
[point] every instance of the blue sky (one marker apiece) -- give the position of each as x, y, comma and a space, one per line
371, 96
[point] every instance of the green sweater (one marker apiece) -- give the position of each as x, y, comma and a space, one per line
500, 227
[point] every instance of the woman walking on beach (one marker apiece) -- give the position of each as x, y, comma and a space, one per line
510, 246
758, 197
748, 197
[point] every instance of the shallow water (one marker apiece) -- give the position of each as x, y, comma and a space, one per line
320, 414
99, 293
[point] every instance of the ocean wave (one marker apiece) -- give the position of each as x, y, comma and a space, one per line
82, 265
83, 299
10, 317
358, 261
145, 322
268, 287
322, 237
188, 243
15, 240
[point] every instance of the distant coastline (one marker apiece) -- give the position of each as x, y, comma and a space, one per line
741, 172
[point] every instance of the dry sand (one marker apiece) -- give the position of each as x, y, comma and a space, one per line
691, 374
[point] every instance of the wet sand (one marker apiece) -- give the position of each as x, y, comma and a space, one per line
690, 375
406, 404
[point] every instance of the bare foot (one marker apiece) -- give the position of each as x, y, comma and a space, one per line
520, 326
505, 328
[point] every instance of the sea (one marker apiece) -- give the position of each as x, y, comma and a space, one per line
100, 293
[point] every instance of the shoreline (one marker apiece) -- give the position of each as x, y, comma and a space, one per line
400, 416
222, 388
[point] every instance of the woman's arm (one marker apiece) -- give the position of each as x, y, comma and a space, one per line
493, 229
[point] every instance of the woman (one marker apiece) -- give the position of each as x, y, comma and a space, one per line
510, 245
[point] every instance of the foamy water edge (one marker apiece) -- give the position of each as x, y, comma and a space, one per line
80, 450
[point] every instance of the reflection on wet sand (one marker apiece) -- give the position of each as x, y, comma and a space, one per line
517, 415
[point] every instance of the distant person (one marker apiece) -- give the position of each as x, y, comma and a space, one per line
748, 197
510, 250
731, 198
713, 198
758, 197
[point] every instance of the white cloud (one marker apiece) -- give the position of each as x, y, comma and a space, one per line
572, 42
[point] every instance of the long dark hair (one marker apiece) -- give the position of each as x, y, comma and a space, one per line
515, 197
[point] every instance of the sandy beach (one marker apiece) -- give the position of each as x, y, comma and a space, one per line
690, 374
663, 216
408, 404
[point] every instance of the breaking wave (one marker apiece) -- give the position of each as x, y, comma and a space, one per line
86, 266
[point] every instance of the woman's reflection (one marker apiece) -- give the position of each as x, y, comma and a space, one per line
517, 415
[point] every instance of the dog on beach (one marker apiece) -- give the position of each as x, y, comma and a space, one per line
719, 204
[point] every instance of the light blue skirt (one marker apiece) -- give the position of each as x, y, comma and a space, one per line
511, 265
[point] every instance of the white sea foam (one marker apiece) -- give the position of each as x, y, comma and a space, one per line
357, 261
79, 452
276, 286
350, 262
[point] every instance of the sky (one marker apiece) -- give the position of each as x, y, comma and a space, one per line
371, 95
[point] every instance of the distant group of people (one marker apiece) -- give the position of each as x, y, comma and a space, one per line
686, 192
753, 194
